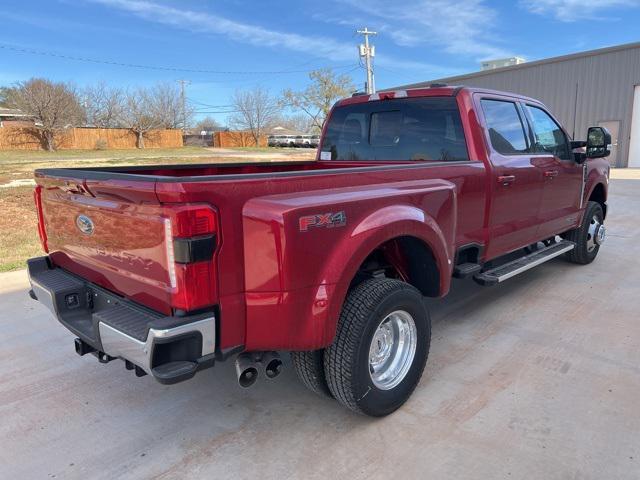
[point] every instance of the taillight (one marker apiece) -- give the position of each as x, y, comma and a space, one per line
42, 232
191, 233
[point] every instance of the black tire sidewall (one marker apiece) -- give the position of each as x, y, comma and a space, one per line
369, 398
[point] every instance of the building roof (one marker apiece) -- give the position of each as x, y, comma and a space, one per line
284, 131
12, 112
563, 58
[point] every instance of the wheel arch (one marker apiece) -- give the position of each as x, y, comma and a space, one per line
423, 241
599, 194
407, 258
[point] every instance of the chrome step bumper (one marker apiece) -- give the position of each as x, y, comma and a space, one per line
171, 349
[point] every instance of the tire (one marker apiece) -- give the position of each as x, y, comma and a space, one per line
347, 360
586, 250
309, 366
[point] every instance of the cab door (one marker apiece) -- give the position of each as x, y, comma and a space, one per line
559, 208
515, 182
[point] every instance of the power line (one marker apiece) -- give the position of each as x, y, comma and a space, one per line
207, 105
352, 67
31, 51
219, 112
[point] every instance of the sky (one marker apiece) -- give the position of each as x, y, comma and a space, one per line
224, 45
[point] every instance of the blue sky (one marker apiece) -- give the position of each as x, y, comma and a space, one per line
220, 46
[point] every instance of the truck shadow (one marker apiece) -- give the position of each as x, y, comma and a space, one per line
210, 422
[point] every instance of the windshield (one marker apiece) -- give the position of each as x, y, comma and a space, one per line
405, 129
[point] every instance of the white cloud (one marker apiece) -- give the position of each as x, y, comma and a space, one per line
572, 10
207, 23
461, 27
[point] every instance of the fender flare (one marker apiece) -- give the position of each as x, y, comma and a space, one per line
597, 182
347, 256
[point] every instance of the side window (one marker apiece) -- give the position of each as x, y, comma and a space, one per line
549, 137
505, 127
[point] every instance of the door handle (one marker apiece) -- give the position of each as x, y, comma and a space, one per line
551, 173
506, 179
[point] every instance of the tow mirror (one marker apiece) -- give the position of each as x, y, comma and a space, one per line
598, 142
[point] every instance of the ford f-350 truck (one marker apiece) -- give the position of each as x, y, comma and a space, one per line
172, 268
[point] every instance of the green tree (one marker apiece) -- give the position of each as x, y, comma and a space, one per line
316, 100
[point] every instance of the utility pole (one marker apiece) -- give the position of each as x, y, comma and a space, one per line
183, 99
368, 52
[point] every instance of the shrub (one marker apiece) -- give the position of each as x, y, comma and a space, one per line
101, 144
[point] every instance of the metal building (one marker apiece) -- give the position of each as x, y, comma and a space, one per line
597, 87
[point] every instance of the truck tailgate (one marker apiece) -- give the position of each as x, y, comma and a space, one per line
112, 233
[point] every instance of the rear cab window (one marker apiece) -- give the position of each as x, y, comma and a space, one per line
405, 129
506, 128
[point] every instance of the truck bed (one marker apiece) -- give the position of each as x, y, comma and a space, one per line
257, 207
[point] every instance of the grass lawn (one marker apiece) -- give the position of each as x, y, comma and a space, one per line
18, 221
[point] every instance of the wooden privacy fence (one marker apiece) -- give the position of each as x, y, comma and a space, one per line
27, 138
237, 139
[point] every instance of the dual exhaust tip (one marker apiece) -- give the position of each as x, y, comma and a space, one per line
247, 365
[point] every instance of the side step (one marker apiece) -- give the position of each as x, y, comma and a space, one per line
522, 264
465, 270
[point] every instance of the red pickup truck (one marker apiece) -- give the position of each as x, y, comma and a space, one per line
171, 268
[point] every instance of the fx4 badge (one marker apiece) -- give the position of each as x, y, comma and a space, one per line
327, 220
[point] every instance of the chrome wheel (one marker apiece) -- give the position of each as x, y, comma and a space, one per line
596, 234
392, 349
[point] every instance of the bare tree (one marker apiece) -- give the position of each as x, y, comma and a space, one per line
255, 110
169, 105
141, 115
104, 105
54, 106
4, 96
299, 122
317, 99
207, 124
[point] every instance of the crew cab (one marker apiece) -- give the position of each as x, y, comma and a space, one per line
173, 268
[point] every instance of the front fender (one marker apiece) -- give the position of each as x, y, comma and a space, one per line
597, 176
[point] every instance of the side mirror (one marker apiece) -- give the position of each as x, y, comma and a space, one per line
598, 142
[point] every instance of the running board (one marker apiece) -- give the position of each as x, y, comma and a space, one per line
522, 264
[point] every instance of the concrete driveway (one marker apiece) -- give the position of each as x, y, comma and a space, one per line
535, 378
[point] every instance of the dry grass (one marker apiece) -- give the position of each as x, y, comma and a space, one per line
18, 228
18, 222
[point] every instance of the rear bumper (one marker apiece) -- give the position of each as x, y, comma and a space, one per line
171, 349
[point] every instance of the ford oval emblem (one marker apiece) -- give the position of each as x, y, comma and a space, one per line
84, 224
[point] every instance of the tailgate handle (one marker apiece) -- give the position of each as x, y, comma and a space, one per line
73, 187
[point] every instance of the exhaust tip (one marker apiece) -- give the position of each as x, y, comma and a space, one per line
246, 370
273, 368
272, 364
248, 377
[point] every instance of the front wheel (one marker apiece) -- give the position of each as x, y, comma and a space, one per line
380, 349
588, 236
